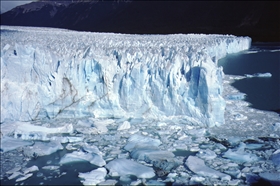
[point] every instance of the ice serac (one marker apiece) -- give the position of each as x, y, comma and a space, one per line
48, 73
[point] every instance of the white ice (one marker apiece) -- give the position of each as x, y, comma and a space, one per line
139, 141
93, 177
240, 155
78, 156
9, 143
55, 73
198, 166
261, 75
123, 167
42, 149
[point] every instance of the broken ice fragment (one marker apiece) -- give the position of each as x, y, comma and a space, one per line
138, 141
163, 160
94, 177
240, 155
108, 183
123, 126
28, 131
237, 96
50, 167
198, 166
42, 149
24, 177
265, 75
31, 169
78, 156
8, 143
123, 167
207, 154
14, 175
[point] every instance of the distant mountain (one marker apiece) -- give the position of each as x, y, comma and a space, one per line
257, 19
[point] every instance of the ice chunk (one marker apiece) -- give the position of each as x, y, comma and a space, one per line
24, 177
196, 179
42, 149
265, 75
198, 166
240, 155
138, 141
207, 154
8, 143
123, 126
28, 131
78, 156
108, 183
236, 173
163, 160
91, 149
237, 96
123, 167
31, 169
93, 177
50, 167
15, 175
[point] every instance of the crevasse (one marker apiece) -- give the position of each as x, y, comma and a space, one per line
49, 73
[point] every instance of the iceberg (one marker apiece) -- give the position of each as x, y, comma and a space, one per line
94, 177
261, 75
56, 73
198, 166
124, 167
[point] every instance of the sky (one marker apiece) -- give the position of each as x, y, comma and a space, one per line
7, 5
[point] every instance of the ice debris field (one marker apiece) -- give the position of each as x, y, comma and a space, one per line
138, 109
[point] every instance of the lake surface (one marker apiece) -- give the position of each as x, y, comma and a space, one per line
262, 93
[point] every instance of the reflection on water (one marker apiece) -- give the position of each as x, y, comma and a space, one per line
262, 93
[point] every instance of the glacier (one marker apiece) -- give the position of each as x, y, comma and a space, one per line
56, 73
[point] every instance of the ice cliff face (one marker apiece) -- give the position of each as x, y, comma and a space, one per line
48, 73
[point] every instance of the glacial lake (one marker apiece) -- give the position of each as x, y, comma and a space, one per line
262, 92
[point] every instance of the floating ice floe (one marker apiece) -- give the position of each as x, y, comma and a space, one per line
31, 169
24, 177
123, 167
236, 96
207, 154
264, 75
27, 131
9, 143
93, 177
123, 126
138, 141
108, 183
198, 166
78, 156
240, 155
42, 149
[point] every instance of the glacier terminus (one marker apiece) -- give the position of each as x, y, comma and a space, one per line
57, 73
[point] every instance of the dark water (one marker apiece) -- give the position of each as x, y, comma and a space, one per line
262, 93
66, 174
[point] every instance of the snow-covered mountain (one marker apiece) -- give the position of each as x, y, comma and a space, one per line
257, 19
50, 73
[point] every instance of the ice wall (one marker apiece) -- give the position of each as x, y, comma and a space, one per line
48, 73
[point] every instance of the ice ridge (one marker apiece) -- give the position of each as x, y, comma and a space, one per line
49, 73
